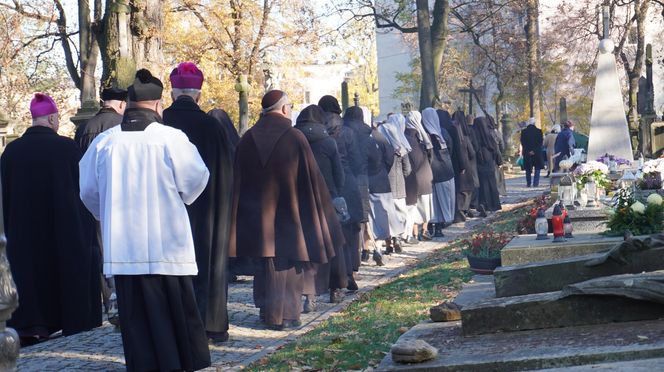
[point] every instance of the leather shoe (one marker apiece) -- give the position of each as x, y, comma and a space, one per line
217, 337
352, 284
309, 304
378, 258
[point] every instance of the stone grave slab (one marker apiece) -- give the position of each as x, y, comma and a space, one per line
536, 349
480, 288
551, 310
525, 249
553, 275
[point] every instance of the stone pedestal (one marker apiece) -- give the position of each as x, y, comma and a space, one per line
88, 110
524, 249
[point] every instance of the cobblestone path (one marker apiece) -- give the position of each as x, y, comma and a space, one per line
101, 348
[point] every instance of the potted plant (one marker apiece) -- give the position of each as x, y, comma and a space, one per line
483, 250
650, 180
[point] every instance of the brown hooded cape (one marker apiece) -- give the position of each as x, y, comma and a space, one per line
280, 201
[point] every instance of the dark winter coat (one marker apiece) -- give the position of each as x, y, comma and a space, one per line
209, 215
419, 181
281, 206
381, 159
564, 145
473, 154
326, 154
349, 154
49, 235
106, 118
228, 126
398, 173
441, 161
531, 141
463, 181
354, 120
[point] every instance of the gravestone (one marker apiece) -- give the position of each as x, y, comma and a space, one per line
609, 132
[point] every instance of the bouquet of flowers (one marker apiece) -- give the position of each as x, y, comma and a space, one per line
650, 181
486, 244
592, 171
654, 165
607, 158
527, 223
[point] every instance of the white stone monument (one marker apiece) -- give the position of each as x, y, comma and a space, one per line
609, 132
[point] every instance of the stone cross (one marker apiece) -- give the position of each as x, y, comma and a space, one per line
471, 91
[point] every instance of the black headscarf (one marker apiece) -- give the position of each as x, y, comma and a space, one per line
311, 114
353, 113
459, 121
227, 124
484, 133
329, 104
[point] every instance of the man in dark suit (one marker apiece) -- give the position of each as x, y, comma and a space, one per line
531, 150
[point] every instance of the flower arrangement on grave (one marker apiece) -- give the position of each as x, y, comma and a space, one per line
608, 158
630, 214
592, 171
527, 224
485, 244
652, 175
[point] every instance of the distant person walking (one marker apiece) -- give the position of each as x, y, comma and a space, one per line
550, 146
531, 150
565, 143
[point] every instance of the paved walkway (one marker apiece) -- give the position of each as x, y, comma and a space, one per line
101, 348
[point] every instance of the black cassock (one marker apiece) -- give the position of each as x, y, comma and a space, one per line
210, 213
49, 236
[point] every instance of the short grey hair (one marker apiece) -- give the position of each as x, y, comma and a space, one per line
186, 91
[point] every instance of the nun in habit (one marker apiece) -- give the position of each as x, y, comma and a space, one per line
488, 159
467, 179
443, 171
393, 130
381, 158
418, 183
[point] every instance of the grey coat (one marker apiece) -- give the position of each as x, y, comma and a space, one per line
398, 173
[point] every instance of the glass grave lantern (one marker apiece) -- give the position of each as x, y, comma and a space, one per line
567, 227
566, 191
541, 225
557, 222
591, 191
627, 181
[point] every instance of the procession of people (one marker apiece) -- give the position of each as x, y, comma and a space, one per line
161, 208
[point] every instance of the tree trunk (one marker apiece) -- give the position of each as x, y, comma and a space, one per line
89, 53
640, 12
428, 90
439, 33
532, 41
131, 39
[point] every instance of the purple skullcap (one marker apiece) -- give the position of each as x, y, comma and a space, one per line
42, 105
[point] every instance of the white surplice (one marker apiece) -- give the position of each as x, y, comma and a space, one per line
145, 226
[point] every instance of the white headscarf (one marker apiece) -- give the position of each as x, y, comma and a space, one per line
366, 113
431, 123
414, 121
393, 130
556, 128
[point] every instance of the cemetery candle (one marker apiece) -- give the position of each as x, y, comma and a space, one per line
557, 222
567, 227
541, 225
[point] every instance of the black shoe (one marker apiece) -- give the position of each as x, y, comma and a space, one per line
217, 337
426, 236
378, 258
482, 210
365, 255
412, 241
337, 296
396, 245
291, 324
275, 327
352, 284
439, 231
309, 304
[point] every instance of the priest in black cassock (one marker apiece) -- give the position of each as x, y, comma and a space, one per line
209, 215
110, 115
138, 192
49, 232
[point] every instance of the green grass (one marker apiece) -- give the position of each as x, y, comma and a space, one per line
361, 335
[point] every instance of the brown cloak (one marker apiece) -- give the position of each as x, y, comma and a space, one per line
280, 201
